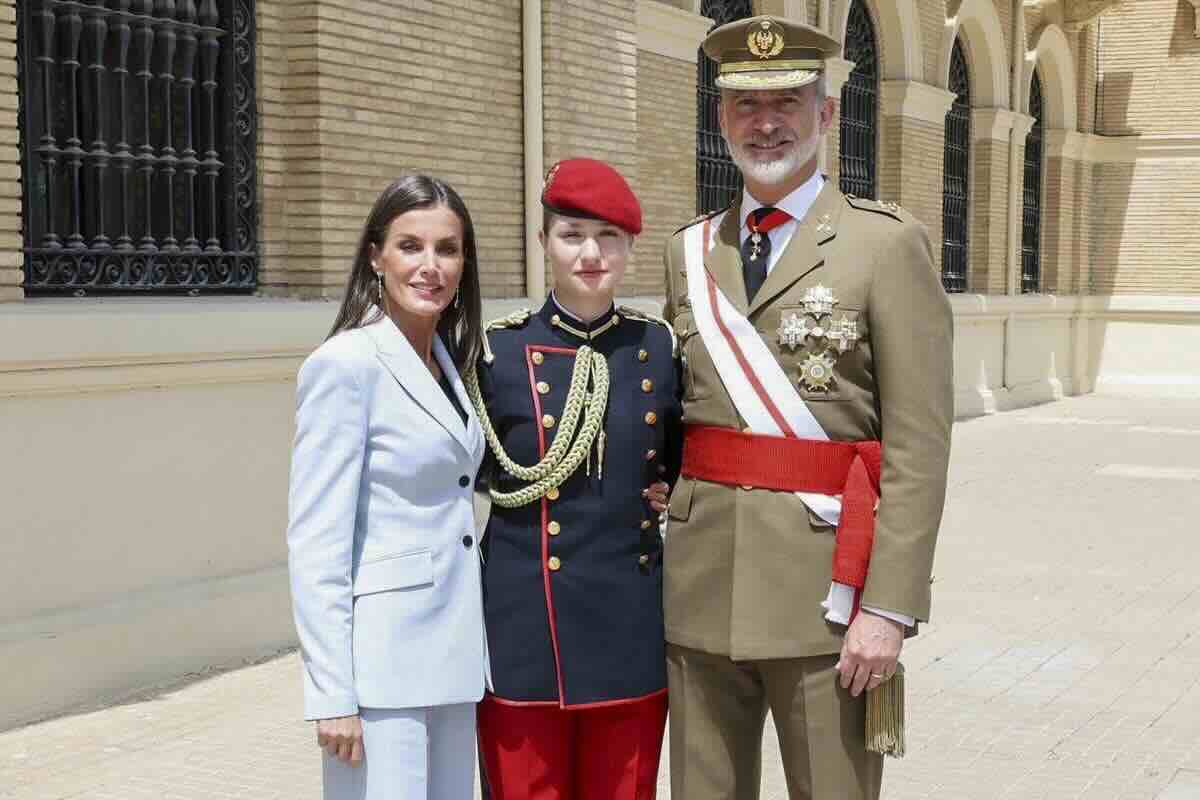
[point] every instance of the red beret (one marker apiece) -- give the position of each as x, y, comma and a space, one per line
584, 187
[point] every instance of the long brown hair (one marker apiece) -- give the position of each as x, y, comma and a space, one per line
460, 325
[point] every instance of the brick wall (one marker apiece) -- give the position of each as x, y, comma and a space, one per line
666, 171
1144, 238
989, 216
590, 85
1060, 237
11, 259
450, 82
1085, 69
914, 172
1149, 69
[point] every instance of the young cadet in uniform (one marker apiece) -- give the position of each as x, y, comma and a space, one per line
580, 404
816, 343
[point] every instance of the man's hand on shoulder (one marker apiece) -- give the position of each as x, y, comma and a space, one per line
869, 652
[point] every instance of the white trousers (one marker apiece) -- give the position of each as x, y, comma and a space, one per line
409, 754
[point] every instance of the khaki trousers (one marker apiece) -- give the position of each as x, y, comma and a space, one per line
719, 706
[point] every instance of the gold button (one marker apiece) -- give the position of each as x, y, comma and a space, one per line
747, 487
647, 385
651, 418
646, 524
552, 494
538, 358
548, 421
555, 319
553, 528
643, 355
650, 454
616, 320
554, 564
543, 387
747, 429
643, 559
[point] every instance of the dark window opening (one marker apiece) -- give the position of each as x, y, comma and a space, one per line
138, 146
1031, 210
717, 178
957, 161
859, 107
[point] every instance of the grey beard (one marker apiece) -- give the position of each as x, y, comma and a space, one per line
768, 172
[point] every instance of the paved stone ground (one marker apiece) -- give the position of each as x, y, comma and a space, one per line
1064, 660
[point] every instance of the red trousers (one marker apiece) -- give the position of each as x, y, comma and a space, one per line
548, 753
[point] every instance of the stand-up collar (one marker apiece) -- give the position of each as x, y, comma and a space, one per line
555, 316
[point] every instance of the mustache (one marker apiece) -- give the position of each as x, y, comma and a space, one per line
774, 140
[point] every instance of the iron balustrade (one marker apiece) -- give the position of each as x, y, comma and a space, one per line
717, 178
957, 161
859, 107
1031, 208
138, 146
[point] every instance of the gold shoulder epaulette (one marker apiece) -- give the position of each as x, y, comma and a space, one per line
514, 320
634, 313
885, 207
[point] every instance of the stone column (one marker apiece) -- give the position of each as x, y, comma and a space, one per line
913, 123
991, 192
11, 257
1065, 203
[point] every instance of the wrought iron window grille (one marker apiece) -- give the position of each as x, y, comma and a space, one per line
717, 178
138, 131
956, 172
1031, 207
859, 107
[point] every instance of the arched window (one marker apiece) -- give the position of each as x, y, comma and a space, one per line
957, 160
860, 106
717, 179
1031, 216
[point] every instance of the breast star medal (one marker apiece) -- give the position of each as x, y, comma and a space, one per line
819, 301
843, 334
816, 372
792, 331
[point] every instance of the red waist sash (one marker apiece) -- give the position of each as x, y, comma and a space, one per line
783, 463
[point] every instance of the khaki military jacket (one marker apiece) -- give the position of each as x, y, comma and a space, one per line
746, 569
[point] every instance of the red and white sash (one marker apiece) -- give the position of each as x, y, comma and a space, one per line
761, 391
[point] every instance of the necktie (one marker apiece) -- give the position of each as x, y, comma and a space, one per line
756, 250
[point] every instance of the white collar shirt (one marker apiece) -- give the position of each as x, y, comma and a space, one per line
796, 203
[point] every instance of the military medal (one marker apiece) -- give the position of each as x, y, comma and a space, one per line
755, 244
792, 331
819, 301
816, 372
843, 333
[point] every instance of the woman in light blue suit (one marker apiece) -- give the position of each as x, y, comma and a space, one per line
384, 566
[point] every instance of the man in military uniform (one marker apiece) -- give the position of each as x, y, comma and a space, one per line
817, 348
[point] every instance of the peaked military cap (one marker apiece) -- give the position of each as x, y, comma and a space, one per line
766, 52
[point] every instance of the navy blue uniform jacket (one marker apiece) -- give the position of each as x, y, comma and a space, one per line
591, 631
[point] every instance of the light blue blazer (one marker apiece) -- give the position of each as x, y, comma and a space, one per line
382, 549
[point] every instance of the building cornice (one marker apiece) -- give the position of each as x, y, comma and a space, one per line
915, 100
670, 31
993, 124
1122, 149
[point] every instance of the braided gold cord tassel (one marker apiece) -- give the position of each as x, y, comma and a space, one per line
885, 716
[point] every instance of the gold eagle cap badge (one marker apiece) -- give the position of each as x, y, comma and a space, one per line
765, 39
